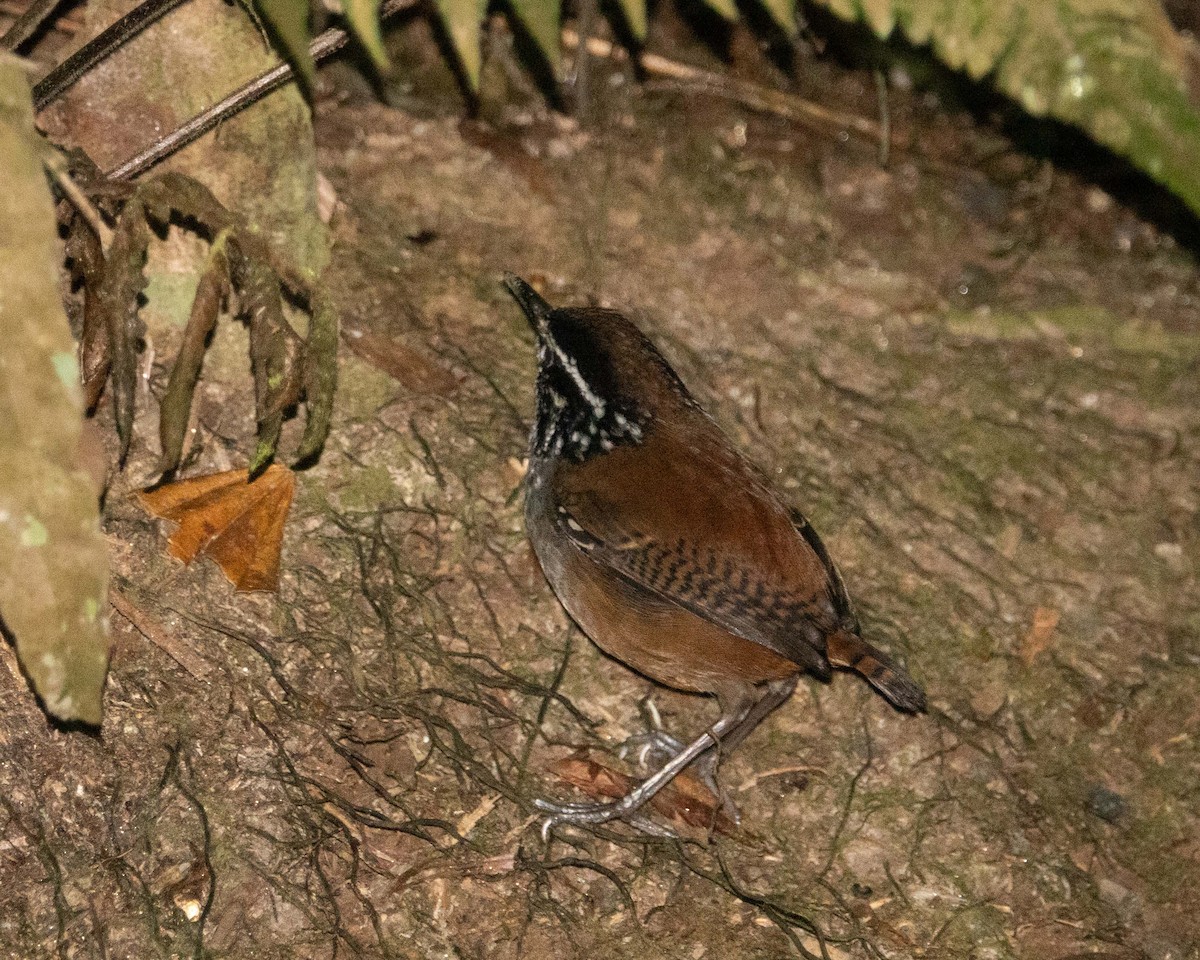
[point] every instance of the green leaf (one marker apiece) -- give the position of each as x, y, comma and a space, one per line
725, 8
462, 19
635, 17
541, 19
783, 12
362, 16
288, 20
1115, 69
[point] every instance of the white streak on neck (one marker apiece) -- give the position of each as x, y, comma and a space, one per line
572, 368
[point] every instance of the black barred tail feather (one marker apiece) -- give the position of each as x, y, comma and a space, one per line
881, 671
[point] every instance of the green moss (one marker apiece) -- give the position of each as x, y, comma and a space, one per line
1149, 850
368, 488
66, 368
34, 533
362, 388
1081, 324
169, 296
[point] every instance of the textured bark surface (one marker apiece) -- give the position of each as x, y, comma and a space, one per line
53, 559
259, 162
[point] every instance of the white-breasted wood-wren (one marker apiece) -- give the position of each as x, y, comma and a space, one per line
669, 549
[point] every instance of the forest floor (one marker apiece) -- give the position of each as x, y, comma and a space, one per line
974, 369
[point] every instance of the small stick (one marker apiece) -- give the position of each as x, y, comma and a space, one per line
751, 95
79, 200
154, 632
28, 23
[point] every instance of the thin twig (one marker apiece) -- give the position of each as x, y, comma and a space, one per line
28, 23
79, 200
762, 99
154, 632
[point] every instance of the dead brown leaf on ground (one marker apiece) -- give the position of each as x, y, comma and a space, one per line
685, 800
411, 368
237, 523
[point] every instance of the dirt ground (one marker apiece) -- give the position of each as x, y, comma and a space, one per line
975, 370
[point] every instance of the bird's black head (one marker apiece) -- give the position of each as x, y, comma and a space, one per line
591, 363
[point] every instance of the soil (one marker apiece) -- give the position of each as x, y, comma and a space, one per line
973, 368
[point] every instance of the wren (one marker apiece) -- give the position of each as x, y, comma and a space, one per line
670, 550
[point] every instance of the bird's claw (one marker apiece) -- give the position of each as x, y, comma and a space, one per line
589, 814
653, 745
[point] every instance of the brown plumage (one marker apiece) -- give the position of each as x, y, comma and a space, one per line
668, 548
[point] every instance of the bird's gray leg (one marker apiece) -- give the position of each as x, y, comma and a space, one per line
657, 746
774, 694
625, 808
731, 729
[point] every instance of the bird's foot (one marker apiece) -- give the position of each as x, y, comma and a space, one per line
656, 746
650, 749
628, 807
590, 814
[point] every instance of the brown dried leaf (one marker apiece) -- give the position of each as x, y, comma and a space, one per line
1037, 640
320, 376
685, 799
191, 199
87, 267
237, 523
411, 368
117, 303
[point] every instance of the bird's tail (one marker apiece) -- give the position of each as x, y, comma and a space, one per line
847, 650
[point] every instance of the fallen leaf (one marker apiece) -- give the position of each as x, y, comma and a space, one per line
1037, 640
685, 799
236, 523
411, 368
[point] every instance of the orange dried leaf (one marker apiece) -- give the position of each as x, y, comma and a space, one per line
236, 523
685, 799
1035, 642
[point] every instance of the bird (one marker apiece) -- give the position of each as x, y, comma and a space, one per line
670, 550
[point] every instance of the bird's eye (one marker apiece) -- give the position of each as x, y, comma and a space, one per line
574, 341
581, 355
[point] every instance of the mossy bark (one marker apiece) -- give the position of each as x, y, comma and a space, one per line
53, 561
